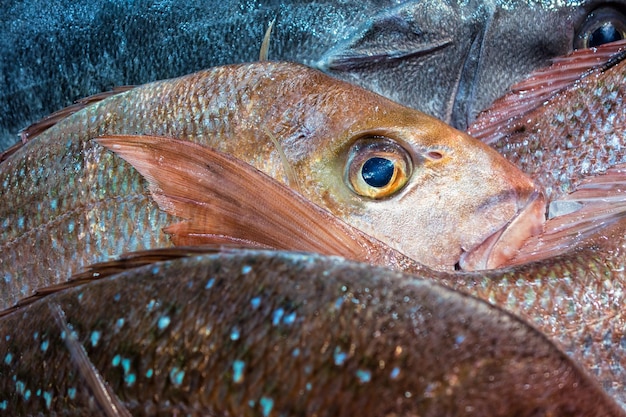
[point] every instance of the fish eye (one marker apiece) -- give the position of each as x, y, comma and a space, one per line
603, 25
377, 167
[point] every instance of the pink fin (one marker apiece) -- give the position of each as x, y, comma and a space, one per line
223, 199
506, 113
598, 203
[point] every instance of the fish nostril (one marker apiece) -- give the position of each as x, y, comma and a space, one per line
434, 155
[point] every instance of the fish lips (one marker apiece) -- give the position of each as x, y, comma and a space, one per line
503, 245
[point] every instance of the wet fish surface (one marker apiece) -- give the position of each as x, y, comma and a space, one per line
63, 194
448, 59
270, 333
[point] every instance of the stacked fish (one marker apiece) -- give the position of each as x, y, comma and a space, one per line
273, 156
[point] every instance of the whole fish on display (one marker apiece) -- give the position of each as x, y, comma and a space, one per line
270, 333
448, 59
429, 191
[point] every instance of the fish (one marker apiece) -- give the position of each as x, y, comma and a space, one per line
429, 191
447, 59
241, 332
565, 123
568, 281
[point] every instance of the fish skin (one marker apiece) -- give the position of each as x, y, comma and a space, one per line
238, 334
461, 54
62, 193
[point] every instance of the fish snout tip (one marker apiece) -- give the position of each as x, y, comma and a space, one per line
502, 246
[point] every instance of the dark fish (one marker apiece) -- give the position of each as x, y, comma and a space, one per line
448, 59
429, 191
270, 334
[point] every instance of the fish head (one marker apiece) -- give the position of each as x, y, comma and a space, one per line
428, 190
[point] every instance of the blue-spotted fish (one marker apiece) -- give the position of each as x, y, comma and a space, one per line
430, 192
449, 59
270, 334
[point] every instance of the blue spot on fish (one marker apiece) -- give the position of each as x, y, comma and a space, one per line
308, 386
176, 376
163, 322
338, 303
3, 405
155, 270
130, 379
277, 315
7, 337
116, 360
149, 373
53, 204
120, 323
394, 373
70, 227
8, 358
235, 334
295, 353
80, 297
256, 302
209, 284
8, 278
20, 222
459, 339
246, 269
48, 397
44, 345
151, 305
71, 392
95, 337
126, 365
36, 335
19, 387
27, 395
290, 318
117, 296
266, 405
339, 356
251, 403
364, 376
238, 371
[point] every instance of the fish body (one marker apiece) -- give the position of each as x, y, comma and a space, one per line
65, 195
575, 132
448, 59
271, 333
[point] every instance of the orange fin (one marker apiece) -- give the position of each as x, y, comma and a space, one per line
506, 113
598, 203
47, 122
223, 199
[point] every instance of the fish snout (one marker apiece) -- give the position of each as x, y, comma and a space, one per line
503, 245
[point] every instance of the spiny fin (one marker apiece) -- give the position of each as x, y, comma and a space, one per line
507, 113
125, 262
221, 196
47, 122
265, 45
599, 203
10, 151
105, 397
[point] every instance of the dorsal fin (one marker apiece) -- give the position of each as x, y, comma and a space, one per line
598, 203
506, 113
222, 197
125, 262
265, 45
47, 122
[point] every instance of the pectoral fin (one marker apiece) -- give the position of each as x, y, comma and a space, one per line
224, 200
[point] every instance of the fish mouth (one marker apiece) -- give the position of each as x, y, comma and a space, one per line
503, 245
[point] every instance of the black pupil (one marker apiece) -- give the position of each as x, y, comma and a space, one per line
377, 172
604, 34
